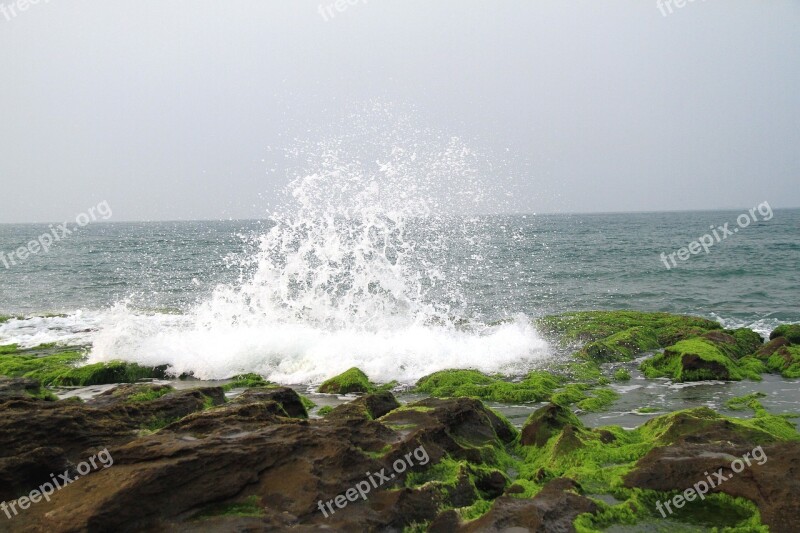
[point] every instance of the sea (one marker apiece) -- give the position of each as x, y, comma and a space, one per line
301, 300
383, 261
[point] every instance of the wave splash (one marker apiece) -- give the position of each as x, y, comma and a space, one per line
360, 267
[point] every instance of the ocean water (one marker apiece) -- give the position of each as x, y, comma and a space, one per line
355, 277
373, 256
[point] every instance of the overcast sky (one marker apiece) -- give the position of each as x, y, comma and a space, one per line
172, 110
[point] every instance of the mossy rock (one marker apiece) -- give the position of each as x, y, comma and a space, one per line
149, 393
590, 326
247, 381
8, 349
780, 356
697, 359
600, 459
790, 332
53, 368
735, 343
599, 400
537, 386
622, 346
546, 422
351, 381
104, 374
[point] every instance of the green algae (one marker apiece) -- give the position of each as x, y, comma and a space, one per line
324, 410
350, 381
621, 346
697, 359
103, 374
149, 394
570, 394
622, 374
537, 386
600, 399
599, 459
781, 357
749, 401
590, 326
250, 507
790, 332
246, 381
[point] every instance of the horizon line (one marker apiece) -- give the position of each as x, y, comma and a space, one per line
520, 213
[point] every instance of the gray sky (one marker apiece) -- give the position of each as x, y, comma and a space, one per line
166, 109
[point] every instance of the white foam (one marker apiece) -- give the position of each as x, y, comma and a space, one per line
349, 274
298, 353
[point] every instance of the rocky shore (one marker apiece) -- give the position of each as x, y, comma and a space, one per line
248, 456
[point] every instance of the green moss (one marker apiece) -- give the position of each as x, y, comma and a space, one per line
571, 393
647, 410
324, 410
9, 349
599, 459
779, 357
445, 472
589, 326
475, 511
103, 374
35, 367
583, 371
600, 399
747, 341
208, 403
246, 381
535, 387
158, 422
387, 387
307, 403
718, 512
749, 401
622, 374
250, 507
696, 359
789, 331
149, 394
621, 346
351, 381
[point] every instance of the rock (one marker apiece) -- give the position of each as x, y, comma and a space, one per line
790, 332
353, 380
247, 466
535, 387
371, 407
286, 397
553, 509
546, 422
703, 358
622, 346
781, 356
35, 433
21, 388
590, 326
773, 485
